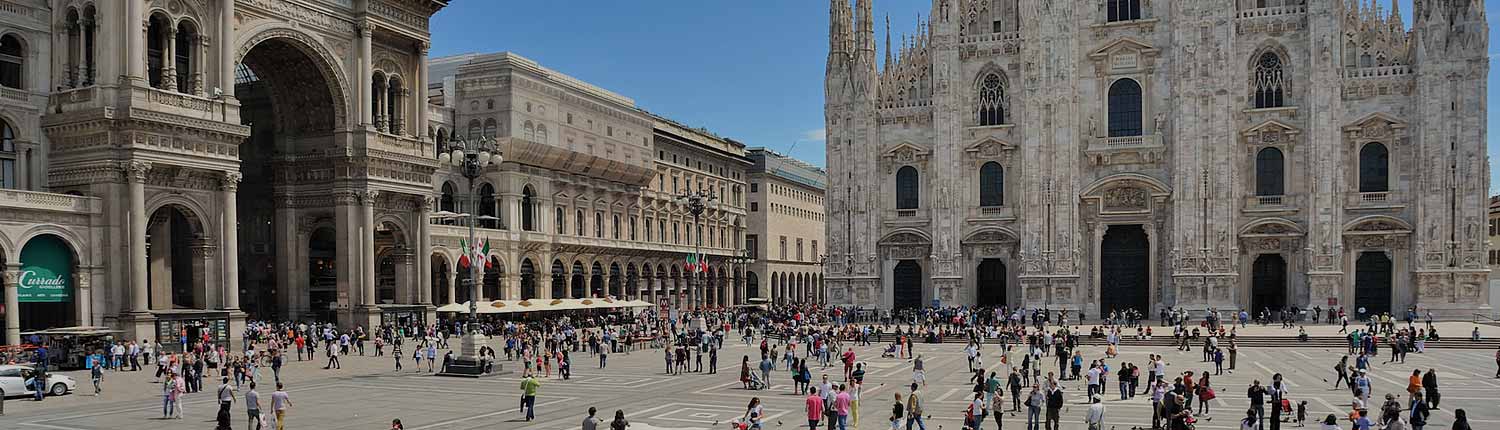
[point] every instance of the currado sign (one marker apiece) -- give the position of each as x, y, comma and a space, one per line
46, 271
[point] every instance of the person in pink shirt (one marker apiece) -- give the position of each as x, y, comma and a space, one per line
848, 363
841, 406
814, 408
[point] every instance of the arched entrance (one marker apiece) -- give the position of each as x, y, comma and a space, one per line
559, 279
991, 283
578, 287
293, 100
177, 259
1268, 283
907, 280
616, 281
46, 290
440, 276
596, 282
493, 273
1372, 284
528, 279
322, 273
752, 286
1125, 275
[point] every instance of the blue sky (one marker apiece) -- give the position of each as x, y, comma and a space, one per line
750, 70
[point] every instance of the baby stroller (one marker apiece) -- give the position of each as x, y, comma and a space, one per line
890, 351
756, 383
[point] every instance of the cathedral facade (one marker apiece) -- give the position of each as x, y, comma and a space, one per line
1102, 155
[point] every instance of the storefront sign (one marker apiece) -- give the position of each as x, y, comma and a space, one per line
46, 272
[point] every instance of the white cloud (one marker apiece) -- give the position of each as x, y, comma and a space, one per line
818, 135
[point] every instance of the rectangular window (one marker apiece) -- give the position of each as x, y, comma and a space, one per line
648, 229
783, 248
815, 249
754, 206
800, 256
632, 227
751, 242
754, 187
661, 231
996, 28
676, 233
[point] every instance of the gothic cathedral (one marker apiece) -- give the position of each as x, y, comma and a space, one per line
1102, 155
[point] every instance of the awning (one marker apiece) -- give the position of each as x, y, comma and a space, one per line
454, 307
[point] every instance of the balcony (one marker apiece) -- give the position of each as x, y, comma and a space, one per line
1104, 151
1374, 200
918, 216
15, 95
1271, 204
34, 200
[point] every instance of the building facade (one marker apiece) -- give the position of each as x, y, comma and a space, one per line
785, 241
1111, 154
587, 195
174, 163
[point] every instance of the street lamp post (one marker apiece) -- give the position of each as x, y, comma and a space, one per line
470, 158
697, 202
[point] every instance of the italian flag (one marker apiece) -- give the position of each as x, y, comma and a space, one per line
478, 253
694, 264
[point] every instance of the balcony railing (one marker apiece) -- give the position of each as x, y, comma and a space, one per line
1272, 11
1269, 200
906, 213
1375, 197
1376, 72
47, 201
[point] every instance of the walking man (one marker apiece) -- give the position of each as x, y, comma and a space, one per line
252, 407
280, 402
528, 396
226, 399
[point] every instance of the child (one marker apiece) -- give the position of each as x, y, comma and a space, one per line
1301, 413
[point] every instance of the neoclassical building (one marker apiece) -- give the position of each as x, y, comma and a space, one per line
586, 198
785, 242
192, 162
1112, 154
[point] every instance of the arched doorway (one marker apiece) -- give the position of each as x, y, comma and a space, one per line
616, 281
392, 266
1372, 284
1125, 270
493, 273
322, 273
752, 286
907, 279
528, 279
596, 281
176, 264
1268, 283
293, 101
440, 277
991, 283
46, 290
559, 279
385, 279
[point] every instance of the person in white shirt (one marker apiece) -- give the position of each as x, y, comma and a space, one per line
1095, 417
1093, 380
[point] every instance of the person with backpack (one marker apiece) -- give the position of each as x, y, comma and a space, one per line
1054, 407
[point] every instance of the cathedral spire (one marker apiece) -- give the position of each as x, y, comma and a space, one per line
838, 27
865, 27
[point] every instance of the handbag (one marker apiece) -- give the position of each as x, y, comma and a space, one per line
1208, 394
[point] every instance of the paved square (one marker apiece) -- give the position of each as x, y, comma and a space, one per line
367, 394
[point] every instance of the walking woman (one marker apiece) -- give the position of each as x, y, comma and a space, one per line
1343, 372
745, 372
1205, 393
396, 353
754, 414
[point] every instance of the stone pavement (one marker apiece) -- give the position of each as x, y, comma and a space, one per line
367, 394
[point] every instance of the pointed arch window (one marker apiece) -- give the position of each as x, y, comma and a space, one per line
991, 185
906, 188
1270, 168
1122, 10
991, 99
1125, 108
530, 131
1374, 168
1269, 82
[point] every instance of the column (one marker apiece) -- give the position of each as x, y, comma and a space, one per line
367, 252
424, 251
226, 48
421, 90
74, 72
366, 73
12, 304
404, 294
135, 174
84, 299
229, 239
135, 44
169, 60
453, 283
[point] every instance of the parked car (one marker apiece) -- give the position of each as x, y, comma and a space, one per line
13, 380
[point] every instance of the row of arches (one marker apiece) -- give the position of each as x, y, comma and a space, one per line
174, 54
793, 287
718, 286
51, 289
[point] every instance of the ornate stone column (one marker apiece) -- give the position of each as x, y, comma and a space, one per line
366, 73
135, 175
135, 52
226, 49
367, 256
203, 265
12, 304
169, 60
424, 251
229, 239
421, 86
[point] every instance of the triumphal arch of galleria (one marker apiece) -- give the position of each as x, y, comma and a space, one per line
145, 130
